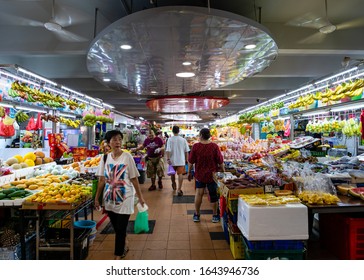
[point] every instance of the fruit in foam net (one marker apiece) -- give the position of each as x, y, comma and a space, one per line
11, 161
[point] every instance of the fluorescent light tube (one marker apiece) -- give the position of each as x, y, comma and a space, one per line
56, 91
73, 91
30, 109
349, 78
109, 106
321, 112
19, 78
6, 105
67, 115
96, 105
336, 75
36, 76
347, 107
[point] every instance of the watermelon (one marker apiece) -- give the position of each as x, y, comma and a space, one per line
356, 192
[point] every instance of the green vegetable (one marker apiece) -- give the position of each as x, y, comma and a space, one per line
9, 191
17, 194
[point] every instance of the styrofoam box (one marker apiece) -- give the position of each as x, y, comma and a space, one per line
286, 222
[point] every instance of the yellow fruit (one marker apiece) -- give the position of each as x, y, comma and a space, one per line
19, 158
29, 162
31, 156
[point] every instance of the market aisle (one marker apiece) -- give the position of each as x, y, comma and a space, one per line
175, 235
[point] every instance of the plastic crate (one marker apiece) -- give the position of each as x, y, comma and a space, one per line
55, 237
318, 153
14, 253
343, 235
226, 229
236, 246
276, 245
233, 205
251, 254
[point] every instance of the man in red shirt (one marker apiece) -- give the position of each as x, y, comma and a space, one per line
155, 163
207, 158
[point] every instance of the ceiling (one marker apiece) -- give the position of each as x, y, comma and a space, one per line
304, 54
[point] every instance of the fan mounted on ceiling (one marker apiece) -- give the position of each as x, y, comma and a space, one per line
61, 18
322, 24
58, 27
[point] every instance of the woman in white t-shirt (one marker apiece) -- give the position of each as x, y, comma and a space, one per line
118, 182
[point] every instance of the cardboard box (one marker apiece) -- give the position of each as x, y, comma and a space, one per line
286, 222
234, 193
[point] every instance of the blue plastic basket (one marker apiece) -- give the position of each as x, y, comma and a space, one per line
84, 224
275, 245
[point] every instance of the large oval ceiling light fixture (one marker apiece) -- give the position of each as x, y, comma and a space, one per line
171, 104
163, 38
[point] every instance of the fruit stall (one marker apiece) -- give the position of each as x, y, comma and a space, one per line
304, 162
44, 198
48, 160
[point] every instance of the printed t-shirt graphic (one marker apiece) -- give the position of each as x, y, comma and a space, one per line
115, 182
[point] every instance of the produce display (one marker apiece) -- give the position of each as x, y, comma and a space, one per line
269, 199
36, 183
61, 193
28, 160
13, 193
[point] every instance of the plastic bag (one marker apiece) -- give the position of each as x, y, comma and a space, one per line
141, 221
6, 130
170, 170
39, 123
31, 124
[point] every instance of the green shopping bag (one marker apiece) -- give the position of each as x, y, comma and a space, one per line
141, 222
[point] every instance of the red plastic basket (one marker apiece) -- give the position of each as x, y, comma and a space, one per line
343, 235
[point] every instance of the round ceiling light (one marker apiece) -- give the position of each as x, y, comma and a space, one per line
125, 47
185, 74
165, 37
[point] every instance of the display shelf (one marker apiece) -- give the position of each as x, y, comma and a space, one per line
7, 179
29, 171
71, 211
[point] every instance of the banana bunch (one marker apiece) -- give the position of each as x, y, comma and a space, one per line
13, 93
279, 125
104, 119
106, 112
2, 112
89, 120
291, 155
21, 116
306, 100
53, 104
70, 122
352, 128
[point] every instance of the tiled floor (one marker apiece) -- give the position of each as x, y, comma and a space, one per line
175, 235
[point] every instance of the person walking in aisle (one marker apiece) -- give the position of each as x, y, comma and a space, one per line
177, 155
207, 158
118, 182
154, 159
